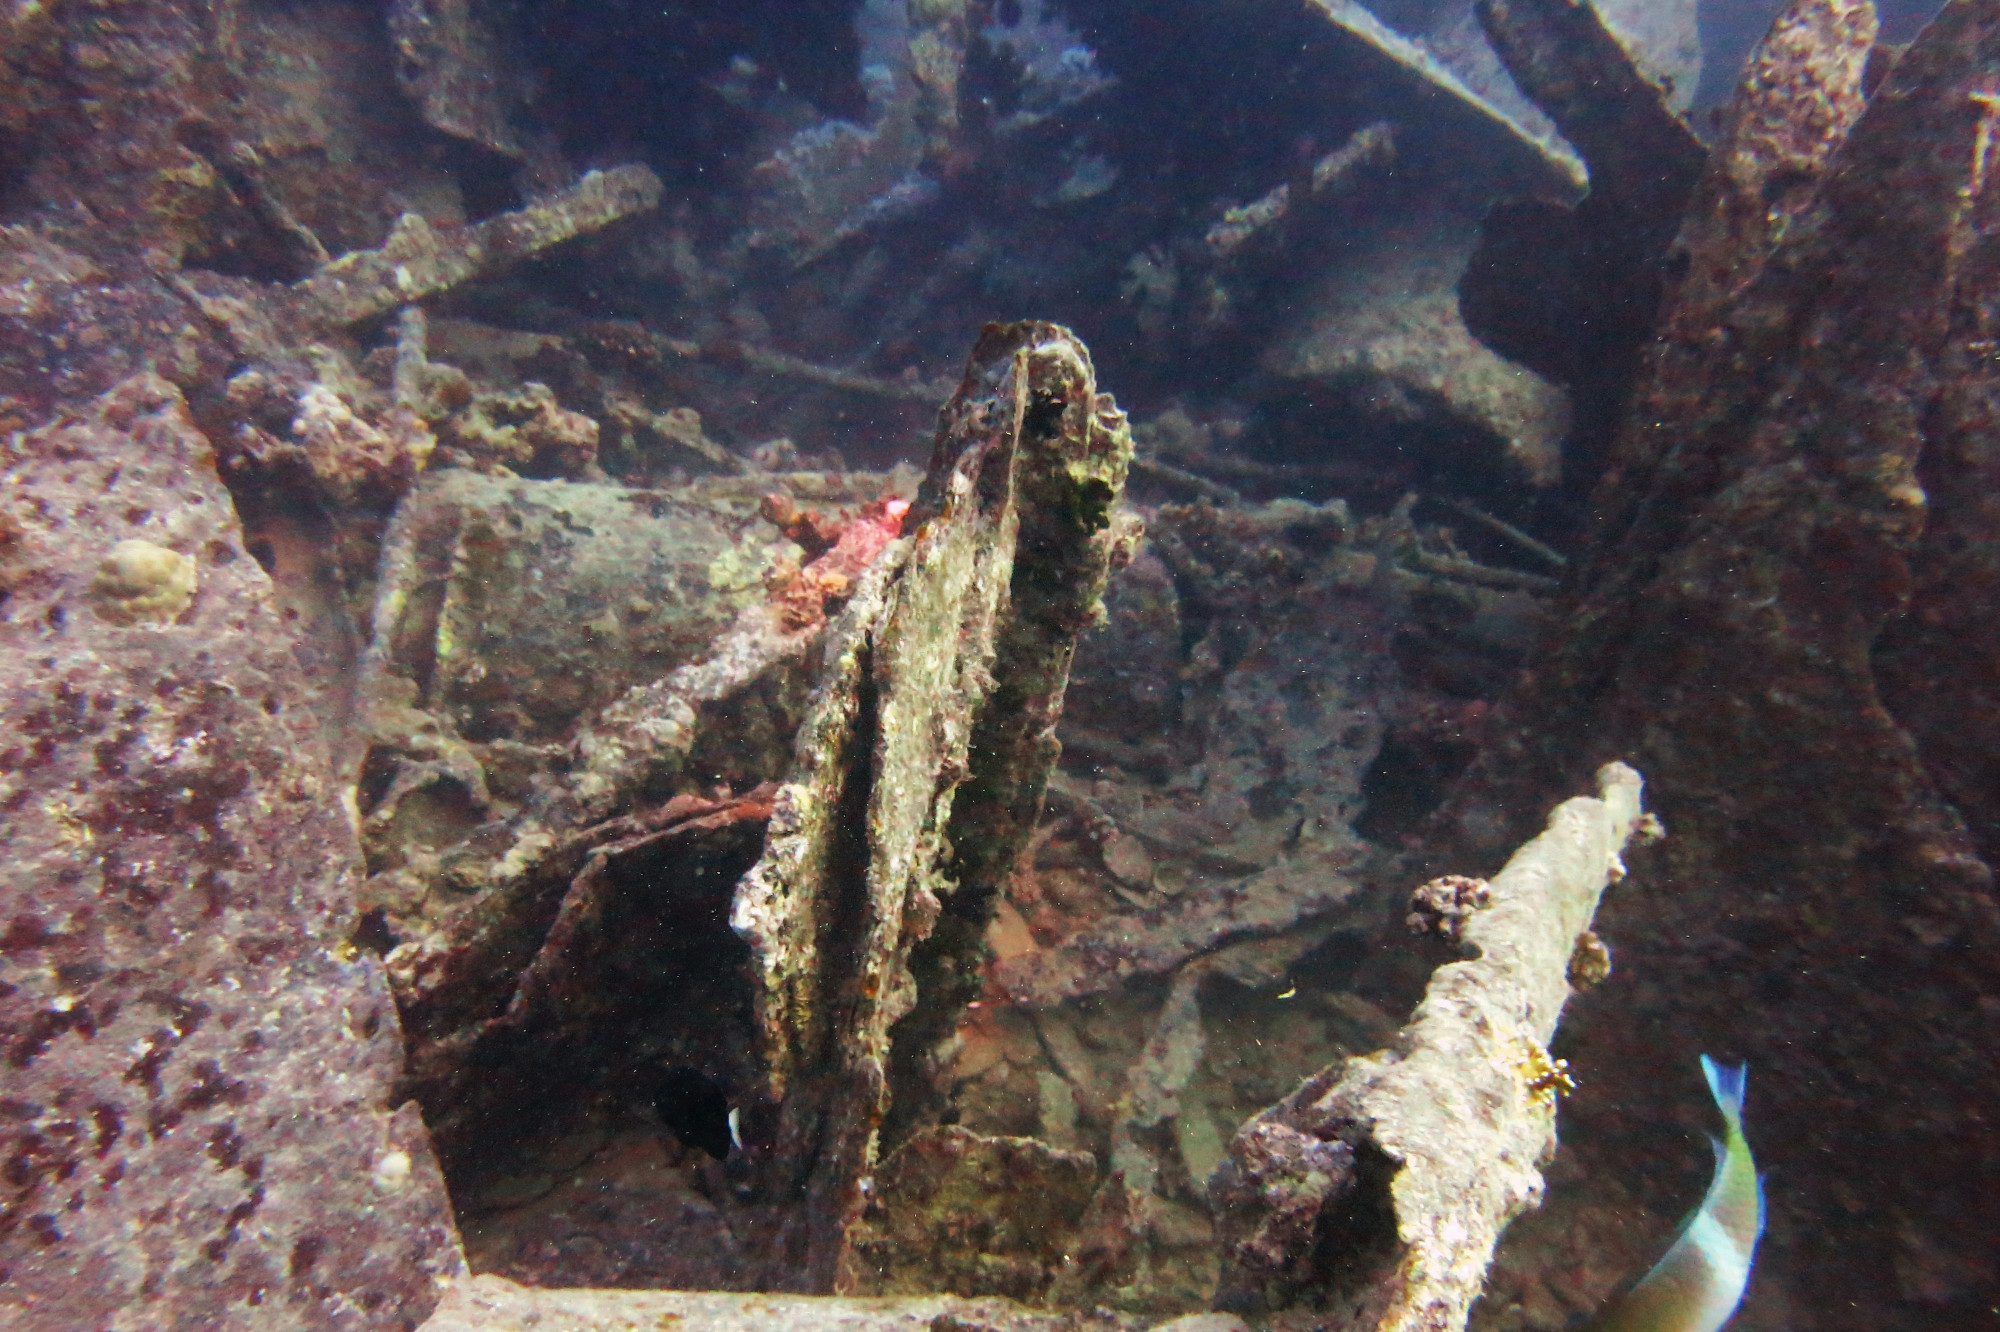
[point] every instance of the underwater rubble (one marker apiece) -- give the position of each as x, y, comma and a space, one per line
488, 1303
1418, 1156
1784, 509
532, 801
199, 1067
1573, 289
932, 727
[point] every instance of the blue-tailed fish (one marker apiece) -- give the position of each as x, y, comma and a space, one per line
1698, 1285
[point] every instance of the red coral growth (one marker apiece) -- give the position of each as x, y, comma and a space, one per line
845, 551
815, 533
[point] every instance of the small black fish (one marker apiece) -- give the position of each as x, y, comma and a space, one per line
696, 1108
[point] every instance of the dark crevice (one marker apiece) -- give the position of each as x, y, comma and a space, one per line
1408, 779
1355, 1243
653, 979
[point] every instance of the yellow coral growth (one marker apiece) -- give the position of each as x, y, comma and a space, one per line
1545, 1078
140, 580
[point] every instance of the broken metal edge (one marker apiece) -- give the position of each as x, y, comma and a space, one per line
1557, 171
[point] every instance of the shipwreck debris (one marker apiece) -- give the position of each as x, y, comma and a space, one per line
1547, 165
1574, 292
1801, 94
419, 260
941, 630
494, 755
639, 943
495, 1304
462, 69
1769, 551
973, 1213
199, 1069
1413, 1160
921, 766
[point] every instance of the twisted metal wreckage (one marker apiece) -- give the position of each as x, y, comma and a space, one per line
921, 762
213, 1055
919, 774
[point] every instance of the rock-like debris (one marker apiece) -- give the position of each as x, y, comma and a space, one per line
494, 1304
1741, 627
921, 766
198, 1121
1382, 1184
374, 465
419, 260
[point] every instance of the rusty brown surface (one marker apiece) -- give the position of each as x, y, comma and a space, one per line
197, 1098
1735, 631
